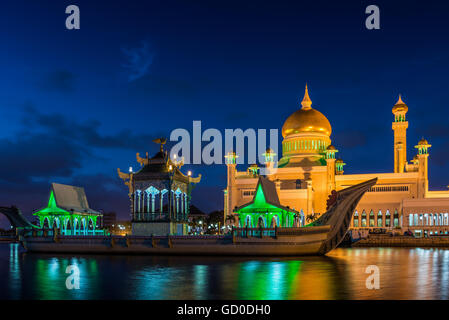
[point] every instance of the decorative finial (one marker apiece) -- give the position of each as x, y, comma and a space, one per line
400, 100
306, 102
161, 141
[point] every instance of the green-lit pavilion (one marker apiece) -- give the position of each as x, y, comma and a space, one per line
266, 211
68, 211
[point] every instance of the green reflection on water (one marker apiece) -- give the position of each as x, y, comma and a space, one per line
267, 280
50, 278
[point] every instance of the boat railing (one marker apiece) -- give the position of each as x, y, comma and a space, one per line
276, 232
254, 232
48, 232
160, 217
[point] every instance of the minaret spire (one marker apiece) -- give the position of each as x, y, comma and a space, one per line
306, 102
400, 100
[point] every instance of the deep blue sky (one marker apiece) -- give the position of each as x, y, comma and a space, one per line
75, 105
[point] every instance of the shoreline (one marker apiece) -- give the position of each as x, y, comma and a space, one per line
401, 241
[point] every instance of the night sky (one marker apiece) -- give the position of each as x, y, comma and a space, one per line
77, 104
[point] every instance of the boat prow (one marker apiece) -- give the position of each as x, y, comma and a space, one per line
341, 208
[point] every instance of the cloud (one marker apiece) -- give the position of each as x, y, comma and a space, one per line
58, 81
156, 85
85, 133
138, 61
39, 156
53, 148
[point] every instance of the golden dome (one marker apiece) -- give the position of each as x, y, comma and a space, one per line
331, 147
400, 106
306, 119
423, 142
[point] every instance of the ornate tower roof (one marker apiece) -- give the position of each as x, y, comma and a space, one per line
306, 120
400, 106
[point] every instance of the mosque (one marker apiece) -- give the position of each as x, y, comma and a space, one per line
310, 170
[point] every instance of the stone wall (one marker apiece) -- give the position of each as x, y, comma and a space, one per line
401, 241
158, 228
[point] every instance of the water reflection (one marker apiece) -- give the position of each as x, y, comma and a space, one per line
404, 274
14, 275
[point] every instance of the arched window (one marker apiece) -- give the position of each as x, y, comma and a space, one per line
260, 223
379, 219
56, 223
90, 225
396, 218
356, 219
426, 219
248, 221
274, 221
371, 218
46, 223
387, 219
363, 218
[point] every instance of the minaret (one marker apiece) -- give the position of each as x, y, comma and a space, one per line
270, 157
330, 161
231, 189
339, 166
423, 155
400, 126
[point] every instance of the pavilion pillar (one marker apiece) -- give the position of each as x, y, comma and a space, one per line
177, 205
153, 200
134, 205
162, 204
139, 202
173, 209
169, 203
181, 201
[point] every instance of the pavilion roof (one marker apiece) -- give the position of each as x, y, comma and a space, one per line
65, 199
265, 197
158, 167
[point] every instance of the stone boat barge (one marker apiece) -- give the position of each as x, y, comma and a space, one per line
317, 238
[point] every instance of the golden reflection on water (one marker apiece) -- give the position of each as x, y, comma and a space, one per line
404, 274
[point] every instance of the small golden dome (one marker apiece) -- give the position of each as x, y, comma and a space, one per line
422, 142
331, 147
306, 119
339, 161
400, 106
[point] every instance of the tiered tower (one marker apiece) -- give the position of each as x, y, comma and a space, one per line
270, 158
330, 161
231, 191
423, 155
400, 126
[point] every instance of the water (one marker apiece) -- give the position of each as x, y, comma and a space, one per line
404, 274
